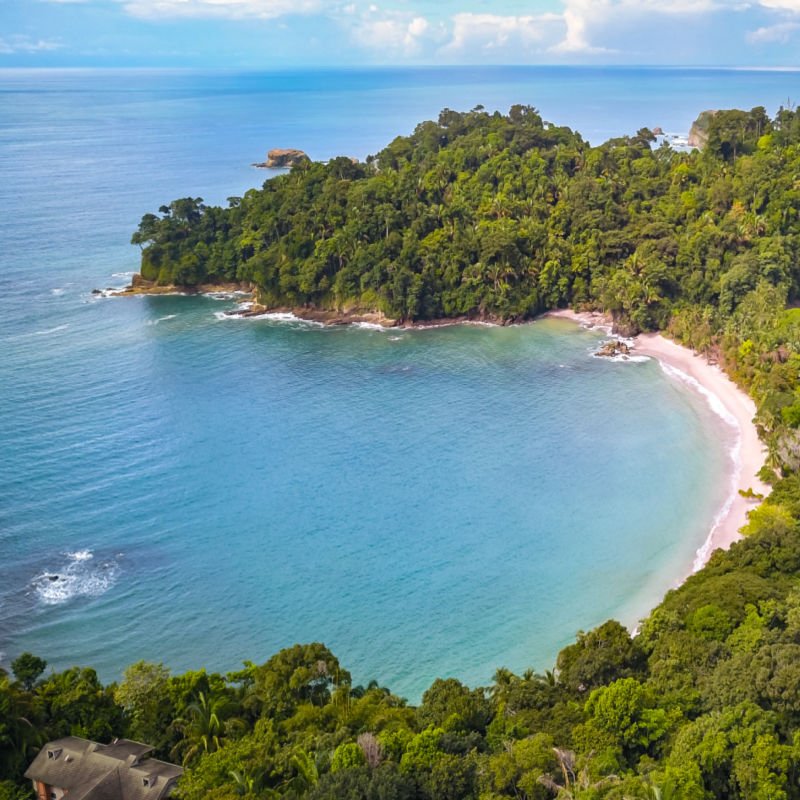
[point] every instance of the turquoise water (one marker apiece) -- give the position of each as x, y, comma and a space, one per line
428, 503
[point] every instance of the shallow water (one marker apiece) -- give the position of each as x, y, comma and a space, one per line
201, 491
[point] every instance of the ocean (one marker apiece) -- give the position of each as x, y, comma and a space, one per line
181, 487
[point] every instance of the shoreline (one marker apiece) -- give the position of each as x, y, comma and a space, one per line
732, 404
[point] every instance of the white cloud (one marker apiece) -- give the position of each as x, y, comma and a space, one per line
24, 44
782, 5
391, 33
472, 32
583, 18
780, 33
231, 9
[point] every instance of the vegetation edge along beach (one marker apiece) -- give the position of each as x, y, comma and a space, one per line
493, 217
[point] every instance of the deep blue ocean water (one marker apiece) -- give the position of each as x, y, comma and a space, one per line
427, 503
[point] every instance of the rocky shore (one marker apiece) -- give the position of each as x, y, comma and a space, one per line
141, 286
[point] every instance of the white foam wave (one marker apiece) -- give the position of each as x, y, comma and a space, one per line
58, 290
110, 291
396, 338
703, 552
81, 576
370, 326
162, 319
622, 358
49, 331
271, 316
122, 274
716, 405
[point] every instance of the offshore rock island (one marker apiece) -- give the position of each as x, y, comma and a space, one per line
489, 217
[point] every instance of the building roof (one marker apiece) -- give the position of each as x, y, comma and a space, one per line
91, 771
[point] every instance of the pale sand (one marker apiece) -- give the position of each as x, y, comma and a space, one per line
728, 400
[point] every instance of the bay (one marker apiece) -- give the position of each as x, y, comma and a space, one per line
427, 503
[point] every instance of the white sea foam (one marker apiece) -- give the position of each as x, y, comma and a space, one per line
619, 358
161, 319
716, 405
370, 326
49, 331
223, 295
80, 576
122, 274
271, 316
58, 290
396, 338
110, 291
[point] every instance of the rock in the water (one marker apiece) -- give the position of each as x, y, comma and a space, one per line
281, 159
658, 131
614, 347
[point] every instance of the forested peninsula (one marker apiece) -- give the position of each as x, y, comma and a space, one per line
486, 216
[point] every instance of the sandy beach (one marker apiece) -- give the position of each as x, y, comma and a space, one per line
711, 384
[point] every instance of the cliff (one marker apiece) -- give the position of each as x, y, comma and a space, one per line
283, 158
698, 135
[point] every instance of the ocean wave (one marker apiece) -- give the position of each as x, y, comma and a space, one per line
704, 551
122, 274
161, 319
715, 404
369, 326
80, 576
622, 358
270, 316
226, 295
109, 291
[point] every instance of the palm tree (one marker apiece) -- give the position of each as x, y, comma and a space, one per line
202, 726
575, 781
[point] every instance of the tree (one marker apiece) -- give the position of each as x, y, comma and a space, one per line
27, 669
144, 694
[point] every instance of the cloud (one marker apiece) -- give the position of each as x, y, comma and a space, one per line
487, 32
24, 44
770, 34
389, 32
230, 9
782, 5
584, 19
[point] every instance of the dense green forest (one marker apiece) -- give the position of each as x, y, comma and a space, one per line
492, 216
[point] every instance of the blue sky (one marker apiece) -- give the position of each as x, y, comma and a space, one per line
273, 34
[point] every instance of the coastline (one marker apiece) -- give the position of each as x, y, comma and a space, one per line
731, 403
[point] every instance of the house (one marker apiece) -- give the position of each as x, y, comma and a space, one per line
84, 770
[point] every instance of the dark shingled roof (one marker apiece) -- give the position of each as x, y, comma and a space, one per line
90, 771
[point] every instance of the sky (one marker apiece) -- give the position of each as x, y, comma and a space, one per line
286, 34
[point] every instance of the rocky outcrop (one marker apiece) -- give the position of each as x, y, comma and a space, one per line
283, 159
614, 347
698, 135
140, 285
